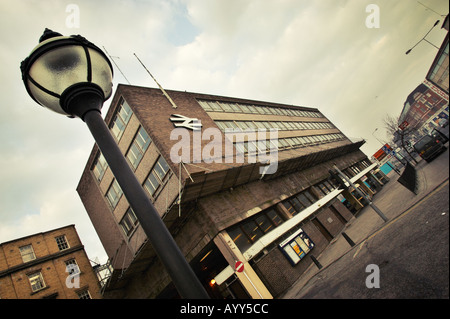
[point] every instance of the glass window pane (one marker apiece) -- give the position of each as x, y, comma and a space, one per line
152, 183
274, 217
304, 200
245, 108
143, 139
205, 106
310, 196
252, 109
289, 207
161, 168
263, 223
226, 107
252, 230
239, 238
125, 112
298, 206
27, 253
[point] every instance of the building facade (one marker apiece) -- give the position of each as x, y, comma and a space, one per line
48, 265
268, 204
438, 72
421, 105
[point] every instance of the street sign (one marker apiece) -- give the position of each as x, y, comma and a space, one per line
386, 148
239, 266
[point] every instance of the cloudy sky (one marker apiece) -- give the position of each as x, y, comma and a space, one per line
329, 54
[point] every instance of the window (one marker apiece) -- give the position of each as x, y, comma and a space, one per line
100, 166
215, 107
114, 193
323, 188
129, 222
36, 281
156, 176
27, 253
205, 106
274, 217
299, 202
252, 230
138, 147
62, 243
249, 231
121, 119
72, 267
226, 107
239, 238
245, 108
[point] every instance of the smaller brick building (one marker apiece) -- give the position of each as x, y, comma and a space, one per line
48, 265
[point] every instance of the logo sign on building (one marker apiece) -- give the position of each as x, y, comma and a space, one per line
186, 122
436, 90
296, 246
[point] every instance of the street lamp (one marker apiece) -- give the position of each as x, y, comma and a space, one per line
423, 39
73, 77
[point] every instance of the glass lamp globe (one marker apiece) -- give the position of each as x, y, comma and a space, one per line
67, 74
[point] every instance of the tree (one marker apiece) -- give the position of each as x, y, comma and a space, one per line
391, 124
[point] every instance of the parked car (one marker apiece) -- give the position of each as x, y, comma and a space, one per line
441, 134
429, 147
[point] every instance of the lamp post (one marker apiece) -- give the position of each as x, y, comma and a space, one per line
423, 39
73, 77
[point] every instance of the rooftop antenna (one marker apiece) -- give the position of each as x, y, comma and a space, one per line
112, 59
160, 87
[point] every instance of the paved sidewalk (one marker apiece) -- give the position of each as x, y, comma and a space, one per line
392, 200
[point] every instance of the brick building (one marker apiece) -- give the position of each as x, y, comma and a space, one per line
421, 105
48, 265
221, 210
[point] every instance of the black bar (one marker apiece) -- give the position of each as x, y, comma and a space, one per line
348, 239
162, 241
316, 262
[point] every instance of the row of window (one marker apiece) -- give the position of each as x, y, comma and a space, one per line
152, 183
27, 251
278, 125
216, 106
299, 202
246, 233
156, 178
285, 143
253, 228
135, 153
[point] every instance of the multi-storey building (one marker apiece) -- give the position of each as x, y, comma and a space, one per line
220, 207
421, 105
48, 265
438, 72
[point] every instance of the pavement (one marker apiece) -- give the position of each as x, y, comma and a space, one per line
393, 200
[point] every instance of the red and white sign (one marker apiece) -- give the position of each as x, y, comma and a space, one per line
239, 266
403, 125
